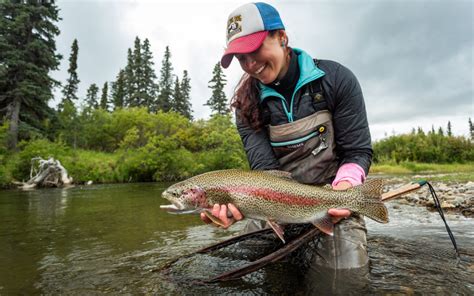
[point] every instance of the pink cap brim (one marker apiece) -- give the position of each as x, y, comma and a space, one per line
243, 44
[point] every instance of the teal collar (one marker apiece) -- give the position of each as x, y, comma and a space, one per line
308, 72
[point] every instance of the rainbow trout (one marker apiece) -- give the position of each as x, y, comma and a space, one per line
274, 197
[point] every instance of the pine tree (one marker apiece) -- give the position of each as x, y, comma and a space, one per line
184, 105
140, 88
440, 131
118, 90
165, 84
148, 87
70, 89
92, 97
218, 101
27, 56
449, 132
177, 95
137, 73
104, 98
130, 85
69, 123
471, 129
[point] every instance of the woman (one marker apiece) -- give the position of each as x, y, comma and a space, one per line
300, 115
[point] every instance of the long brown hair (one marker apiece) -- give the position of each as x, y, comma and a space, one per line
246, 98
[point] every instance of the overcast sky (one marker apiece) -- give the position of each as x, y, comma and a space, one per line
413, 59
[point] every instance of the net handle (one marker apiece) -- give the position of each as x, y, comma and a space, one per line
402, 190
275, 256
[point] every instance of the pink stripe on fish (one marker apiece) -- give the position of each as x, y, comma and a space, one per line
271, 195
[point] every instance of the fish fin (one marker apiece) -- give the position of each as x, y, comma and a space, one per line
371, 203
213, 218
324, 224
372, 188
277, 228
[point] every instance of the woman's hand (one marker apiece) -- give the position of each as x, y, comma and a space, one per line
339, 214
220, 211
342, 185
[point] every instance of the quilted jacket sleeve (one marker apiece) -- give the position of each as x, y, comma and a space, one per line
351, 129
257, 147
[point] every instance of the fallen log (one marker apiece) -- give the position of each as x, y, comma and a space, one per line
46, 173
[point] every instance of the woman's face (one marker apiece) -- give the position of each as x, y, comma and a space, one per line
269, 62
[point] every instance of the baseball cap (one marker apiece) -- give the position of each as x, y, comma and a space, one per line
247, 28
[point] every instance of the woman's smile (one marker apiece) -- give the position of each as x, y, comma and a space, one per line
269, 62
259, 70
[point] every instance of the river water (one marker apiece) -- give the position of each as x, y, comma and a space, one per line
90, 240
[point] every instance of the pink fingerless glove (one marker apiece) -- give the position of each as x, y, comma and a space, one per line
351, 172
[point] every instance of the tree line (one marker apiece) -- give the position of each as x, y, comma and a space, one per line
434, 146
28, 55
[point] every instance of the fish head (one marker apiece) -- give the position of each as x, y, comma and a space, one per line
185, 199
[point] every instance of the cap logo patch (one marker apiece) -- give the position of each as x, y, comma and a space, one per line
234, 26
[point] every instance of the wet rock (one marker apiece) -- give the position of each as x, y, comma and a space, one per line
469, 186
442, 188
403, 202
458, 201
447, 205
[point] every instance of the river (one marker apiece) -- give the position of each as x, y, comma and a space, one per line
110, 238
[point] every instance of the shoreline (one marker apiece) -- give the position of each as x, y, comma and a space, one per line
454, 197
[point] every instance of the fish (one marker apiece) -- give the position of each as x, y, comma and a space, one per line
275, 197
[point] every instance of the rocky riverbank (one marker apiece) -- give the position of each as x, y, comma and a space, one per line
454, 197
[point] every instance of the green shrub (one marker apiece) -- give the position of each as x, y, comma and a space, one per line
418, 147
98, 167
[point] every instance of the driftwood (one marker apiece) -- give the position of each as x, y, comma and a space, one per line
46, 173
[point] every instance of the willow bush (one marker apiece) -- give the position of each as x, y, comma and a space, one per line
133, 145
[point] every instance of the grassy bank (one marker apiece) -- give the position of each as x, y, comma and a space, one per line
452, 172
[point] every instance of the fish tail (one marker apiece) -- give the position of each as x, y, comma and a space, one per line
371, 204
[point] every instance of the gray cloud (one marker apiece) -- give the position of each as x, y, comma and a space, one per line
414, 59
422, 53
102, 50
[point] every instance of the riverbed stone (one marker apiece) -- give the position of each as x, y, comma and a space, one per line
455, 197
442, 188
469, 185
459, 200
447, 205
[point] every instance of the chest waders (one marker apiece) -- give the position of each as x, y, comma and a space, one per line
306, 148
